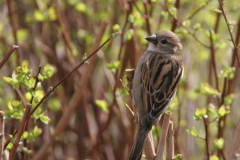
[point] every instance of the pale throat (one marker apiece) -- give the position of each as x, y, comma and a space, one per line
152, 47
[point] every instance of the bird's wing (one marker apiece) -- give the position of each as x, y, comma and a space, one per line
160, 78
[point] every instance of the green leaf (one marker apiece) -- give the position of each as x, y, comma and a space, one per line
16, 115
24, 135
9, 146
212, 110
102, 104
54, 104
44, 119
186, 23
40, 77
221, 44
207, 90
200, 113
214, 158
15, 103
38, 95
81, 7
228, 99
227, 73
22, 34
193, 132
116, 28
34, 133
217, 11
223, 111
48, 71
164, 14
178, 156
25, 63
114, 65
181, 31
218, 144
129, 34
10, 105
10, 80
173, 10
52, 14
28, 96
197, 27
39, 16
24, 149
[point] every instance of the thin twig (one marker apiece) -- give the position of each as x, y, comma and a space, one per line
213, 59
147, 18
180, 23
230, 31
20, 132
53, 88
207, 137
199, 9
8, 55
174, 22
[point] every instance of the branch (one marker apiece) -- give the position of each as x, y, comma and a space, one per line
170, 142
230, 31
20, 132
180, 23
207, 137
163, 136
199, 9
8, 55
53, 88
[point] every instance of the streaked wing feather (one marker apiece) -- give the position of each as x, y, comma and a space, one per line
160, 77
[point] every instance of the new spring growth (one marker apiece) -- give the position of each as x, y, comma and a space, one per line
114, 35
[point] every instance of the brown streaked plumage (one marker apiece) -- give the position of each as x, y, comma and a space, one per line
155, 83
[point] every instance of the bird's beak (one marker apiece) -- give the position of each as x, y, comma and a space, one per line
152, 39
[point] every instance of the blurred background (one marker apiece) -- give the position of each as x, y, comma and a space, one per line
97, 125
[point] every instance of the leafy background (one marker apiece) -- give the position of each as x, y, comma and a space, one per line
58, 35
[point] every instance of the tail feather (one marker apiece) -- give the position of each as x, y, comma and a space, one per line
140, 138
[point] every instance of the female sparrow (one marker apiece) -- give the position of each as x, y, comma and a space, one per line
155, 83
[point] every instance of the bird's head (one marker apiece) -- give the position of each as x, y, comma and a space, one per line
164, 41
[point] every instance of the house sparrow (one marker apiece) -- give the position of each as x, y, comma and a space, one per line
155, 83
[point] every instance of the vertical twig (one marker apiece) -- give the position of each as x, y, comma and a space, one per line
20, 132
163, 136
1, 134
213, 60
235, 148
230, 31
170, 142
207, 137
147, 17
129, 77
8, 55
174, 22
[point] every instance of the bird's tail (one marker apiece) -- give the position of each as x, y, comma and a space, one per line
137, 148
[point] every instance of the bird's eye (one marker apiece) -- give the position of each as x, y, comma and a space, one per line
164, 41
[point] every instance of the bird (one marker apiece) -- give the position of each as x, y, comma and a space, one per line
155, 83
